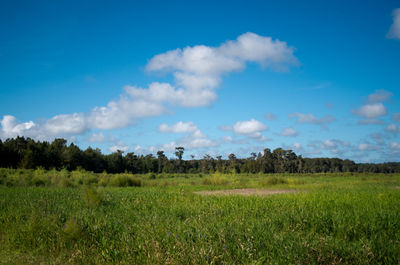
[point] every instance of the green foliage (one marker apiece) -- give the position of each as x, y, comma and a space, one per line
29, 154
274, 180
92, 196
216, 179
72, 231
125, 180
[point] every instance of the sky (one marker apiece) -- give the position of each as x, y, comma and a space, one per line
217, 77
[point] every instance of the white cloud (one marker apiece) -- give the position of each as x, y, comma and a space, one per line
197, 71
122, 112
395, 146
179, 127
297, 147
363, 146
373, 108
310, 118
379, 96
194, 138
329, 144
289, 132
251, 128
394, 31
392, 128
59, 126
65, 124
335, 146
96, 138
120, 146
11, 128
371, 111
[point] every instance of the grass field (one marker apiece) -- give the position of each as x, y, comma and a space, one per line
330, 219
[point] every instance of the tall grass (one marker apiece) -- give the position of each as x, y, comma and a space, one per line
334, 220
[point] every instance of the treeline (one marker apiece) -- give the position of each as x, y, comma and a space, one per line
23, 152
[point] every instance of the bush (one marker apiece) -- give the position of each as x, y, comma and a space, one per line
72, 231
125, 180
274, 181
92, 196
216, 180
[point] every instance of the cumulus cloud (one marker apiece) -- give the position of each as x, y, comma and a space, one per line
371, 111
251, 128
311, 119
197, 72
289, 132
394, 31
194, 138
179, 127
65, 124
10, 127
373, 108
59, 126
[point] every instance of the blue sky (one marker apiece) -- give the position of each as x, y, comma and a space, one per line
217, 77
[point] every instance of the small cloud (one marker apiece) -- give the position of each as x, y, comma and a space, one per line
179, 127
392, 128
371, 111
394, 31
363, 146
396, 116
373, 108
226, 128
251, 128
370, 121
311, 119
395, 146
379, 96
96, 138
289, 132
120, 146
270, 116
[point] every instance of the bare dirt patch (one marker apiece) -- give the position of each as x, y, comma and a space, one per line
398, 187
244, 192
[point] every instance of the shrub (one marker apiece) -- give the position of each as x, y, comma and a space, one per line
92, 196
124, 180
274, 181
216, 180
72, 231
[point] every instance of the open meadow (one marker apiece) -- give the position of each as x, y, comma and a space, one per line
61, 217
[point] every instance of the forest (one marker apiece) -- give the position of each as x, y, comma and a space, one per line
27, 153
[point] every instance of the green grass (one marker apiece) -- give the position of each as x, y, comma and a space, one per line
333, 219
